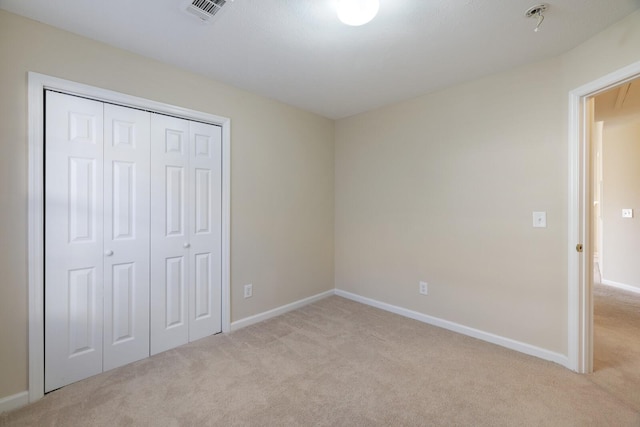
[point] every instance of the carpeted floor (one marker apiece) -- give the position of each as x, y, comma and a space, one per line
616, 349
337, 363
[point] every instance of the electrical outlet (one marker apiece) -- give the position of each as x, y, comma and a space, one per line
423, 288
627, 213
248, 290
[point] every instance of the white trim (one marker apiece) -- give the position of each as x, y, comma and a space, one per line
580, 269
460, 329
579, 352
622, 286
35, 240
573, 260
14, 401
226, 227
238, 324
36, 85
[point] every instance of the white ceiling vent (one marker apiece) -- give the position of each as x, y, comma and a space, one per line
205, 9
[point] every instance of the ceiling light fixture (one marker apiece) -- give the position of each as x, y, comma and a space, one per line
357, 12
537, 12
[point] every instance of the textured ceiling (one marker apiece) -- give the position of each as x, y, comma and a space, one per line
296, 51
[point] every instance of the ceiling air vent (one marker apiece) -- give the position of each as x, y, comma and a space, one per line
205, 9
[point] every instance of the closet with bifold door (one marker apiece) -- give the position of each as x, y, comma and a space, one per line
132, 235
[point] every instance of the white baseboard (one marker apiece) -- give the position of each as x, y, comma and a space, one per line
461, 329
622, 286
14, 402
238, 324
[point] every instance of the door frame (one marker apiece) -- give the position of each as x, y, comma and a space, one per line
580, 265
37, 83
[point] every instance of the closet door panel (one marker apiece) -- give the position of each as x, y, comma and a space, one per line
126, 235
169, 232
205, 207
73, 239
132, 235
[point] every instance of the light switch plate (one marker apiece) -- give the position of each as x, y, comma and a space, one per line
248, 290
540, 219
627, 213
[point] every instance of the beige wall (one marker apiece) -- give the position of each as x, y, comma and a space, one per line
608, 51
282, 175
442, 188
621, 189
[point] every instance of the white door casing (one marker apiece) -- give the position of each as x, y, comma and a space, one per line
37, 84
126, 235
73, 239
580, 265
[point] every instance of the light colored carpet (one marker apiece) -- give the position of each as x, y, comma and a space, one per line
333, 363
616, 349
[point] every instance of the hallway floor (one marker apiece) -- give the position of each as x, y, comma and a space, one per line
616, 357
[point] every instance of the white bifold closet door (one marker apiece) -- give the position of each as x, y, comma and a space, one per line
96, 237
186, 196
133, 204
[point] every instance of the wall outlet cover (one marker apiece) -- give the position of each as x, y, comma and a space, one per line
423, 288
627, 213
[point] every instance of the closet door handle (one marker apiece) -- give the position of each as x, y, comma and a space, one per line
186, 245
108, 252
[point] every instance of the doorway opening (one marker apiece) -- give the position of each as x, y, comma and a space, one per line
615, 177
615, 136
583, 225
